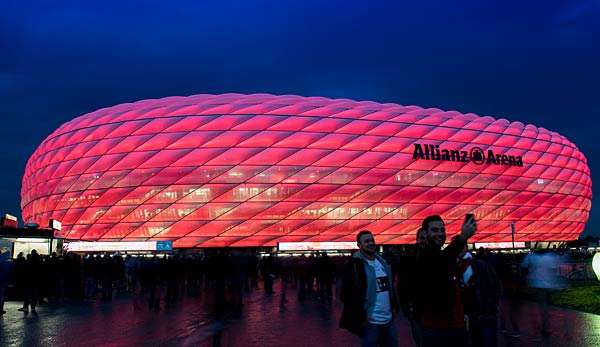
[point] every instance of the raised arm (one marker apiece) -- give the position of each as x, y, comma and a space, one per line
468, 229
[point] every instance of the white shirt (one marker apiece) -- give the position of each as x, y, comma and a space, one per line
382, 311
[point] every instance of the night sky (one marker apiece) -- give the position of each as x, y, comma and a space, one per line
537, 63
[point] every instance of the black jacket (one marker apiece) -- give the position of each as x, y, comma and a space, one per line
486, 288
406, 287
436, 281
354, 295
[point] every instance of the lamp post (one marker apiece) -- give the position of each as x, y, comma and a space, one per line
512, 232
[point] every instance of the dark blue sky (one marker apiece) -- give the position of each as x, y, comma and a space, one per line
533, 62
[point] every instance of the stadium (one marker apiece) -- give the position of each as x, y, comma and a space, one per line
256, 170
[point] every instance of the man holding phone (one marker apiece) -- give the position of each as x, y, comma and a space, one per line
438, 300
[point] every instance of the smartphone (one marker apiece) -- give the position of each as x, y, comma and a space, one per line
469, 216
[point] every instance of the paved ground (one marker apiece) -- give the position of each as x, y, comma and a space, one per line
263, 322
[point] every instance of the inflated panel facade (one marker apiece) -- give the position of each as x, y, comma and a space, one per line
255, 170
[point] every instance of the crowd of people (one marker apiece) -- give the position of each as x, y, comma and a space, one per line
159, 281
450, 295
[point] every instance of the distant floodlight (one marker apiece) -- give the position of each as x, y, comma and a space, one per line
596, 264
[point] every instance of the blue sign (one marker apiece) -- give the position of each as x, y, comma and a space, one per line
164, 245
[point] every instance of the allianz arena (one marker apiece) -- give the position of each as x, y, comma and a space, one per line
255, 170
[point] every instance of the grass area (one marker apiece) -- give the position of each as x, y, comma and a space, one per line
583, 298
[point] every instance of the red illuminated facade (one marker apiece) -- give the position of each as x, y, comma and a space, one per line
255, 170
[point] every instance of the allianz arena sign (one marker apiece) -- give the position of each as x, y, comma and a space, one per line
236, 170
475, 155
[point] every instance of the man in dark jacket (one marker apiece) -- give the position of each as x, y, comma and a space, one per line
5, 271
407, 288
438, 295
481, 290
368, 295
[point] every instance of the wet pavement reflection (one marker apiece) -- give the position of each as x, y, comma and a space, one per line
264, 321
